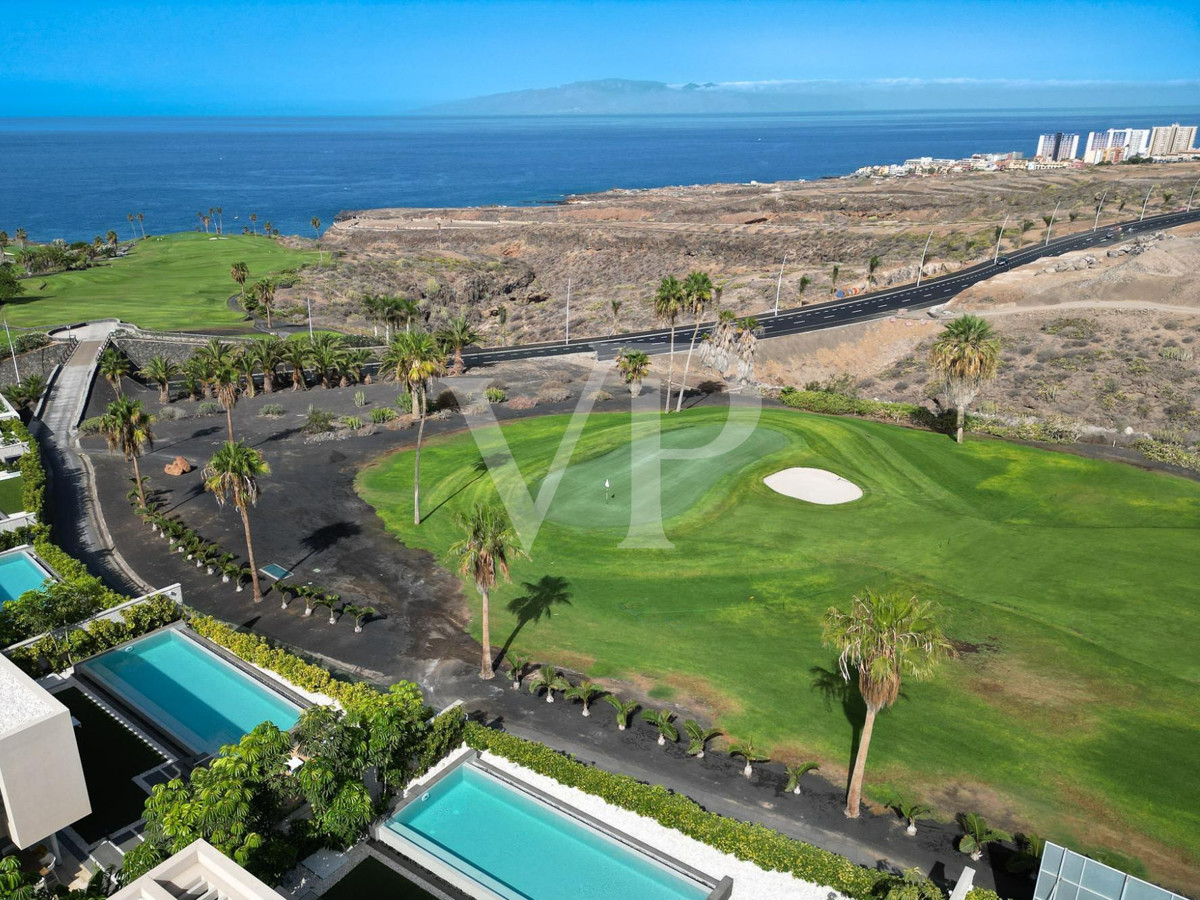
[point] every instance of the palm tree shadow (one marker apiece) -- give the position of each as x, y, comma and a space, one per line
480, 468
833, 688
536, 603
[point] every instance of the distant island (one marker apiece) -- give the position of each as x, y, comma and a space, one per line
619, 96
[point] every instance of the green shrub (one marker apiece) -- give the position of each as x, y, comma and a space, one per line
360, 398
444, 735
381, 414
404, 403
1168, 452
758, 844
353, 422
91, 425
495, 395
209, 408
271, 410
318, 421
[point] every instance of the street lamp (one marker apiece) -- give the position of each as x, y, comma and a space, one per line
1051, 225
1145, 202
999, 238
779, 282
921, 267
1099, 206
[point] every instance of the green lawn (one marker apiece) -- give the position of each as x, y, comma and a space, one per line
11, 500
1070, 585
173, 282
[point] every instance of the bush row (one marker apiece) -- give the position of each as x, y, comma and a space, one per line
1166, 452
258, 651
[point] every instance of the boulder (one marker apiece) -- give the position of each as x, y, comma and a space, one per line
178, 466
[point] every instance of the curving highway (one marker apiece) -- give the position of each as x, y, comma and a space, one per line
859, 308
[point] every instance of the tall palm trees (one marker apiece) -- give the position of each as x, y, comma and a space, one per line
872, 265
698, 292
414, 358
295, 354
483, 554
113, 365
126, 427
668, 303
232, 475
884, 636
22, 238
264, 293
239, 272
315, 222
454, 336
965, 355
265, 354
160, 371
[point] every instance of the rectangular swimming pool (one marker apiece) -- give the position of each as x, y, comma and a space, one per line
188, 690
20, 572
523, 849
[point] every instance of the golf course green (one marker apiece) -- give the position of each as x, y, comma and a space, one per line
169, 282
1069, 587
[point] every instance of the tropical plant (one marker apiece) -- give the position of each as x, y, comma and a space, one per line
833, 278
15, 882
872, 265
456, 335
884, 636
160, 370
910, 811
698, 292
978, 834
360, 614
795, 773
126, 427
482, 554
517, 664
624, 709
233, 474
615, 305
668, 303
965, 355
414, 359
113, 365
223, 378
296, 354
746, 347
25, 393
912, 885
633, 365
239, 272
264, 292
698, 737
1028, 857
662, 720
265, 354
549, 680
585, 692
751, 754
801, 287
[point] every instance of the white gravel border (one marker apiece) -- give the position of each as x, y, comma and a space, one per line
813, 486
749, 881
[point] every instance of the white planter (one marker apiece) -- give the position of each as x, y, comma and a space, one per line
224, 578
210, 570
662, 739
516, 685
358, 629
911, 830
586, 712
332, 619
308, 612
748, 771
549, 697
700, 755
239, 587
620, 727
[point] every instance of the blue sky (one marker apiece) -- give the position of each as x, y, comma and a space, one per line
119, 57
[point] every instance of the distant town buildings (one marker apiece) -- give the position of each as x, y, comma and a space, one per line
1116, 144
1057, 147
1171, 140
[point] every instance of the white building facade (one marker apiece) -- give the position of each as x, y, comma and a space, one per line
1057, 147
1167, 140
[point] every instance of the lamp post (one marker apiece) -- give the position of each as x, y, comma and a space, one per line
1099, 206
567, 336
779, 282
1051, 225
1192, 194
921, 267
999, 238
1145, 203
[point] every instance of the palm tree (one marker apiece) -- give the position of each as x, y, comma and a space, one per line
315, 222
698, 292
795, 773
872, 265
549, 680
616, 313
483, 554
965, 355
113, 365
978, 835
624, 708
264, 293
517, 664
239, 272
160, 370
360, 615
662, 720
326, 355
668, 303
141, 217
457, 334
633, 365
22, 238
4, 243
801, 286
833, 277
751, 754
413, 359
223, 378
245, 364
267, 353
585, 692
232, 474
698, 737
110, 237
220, 220
129, 216
885, 636
296, 354
126, 427
746, 347
253, 220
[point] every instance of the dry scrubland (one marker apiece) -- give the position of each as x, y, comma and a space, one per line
617, 245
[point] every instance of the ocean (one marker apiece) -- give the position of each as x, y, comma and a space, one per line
75, 178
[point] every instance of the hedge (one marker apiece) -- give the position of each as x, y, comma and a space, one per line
445, 734
258, 651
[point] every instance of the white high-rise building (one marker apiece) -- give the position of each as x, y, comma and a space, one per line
1057, 146
1167, 140
1119, 143
1138, 143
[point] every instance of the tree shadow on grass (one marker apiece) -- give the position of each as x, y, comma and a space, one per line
834, 689
479, 468
536, 603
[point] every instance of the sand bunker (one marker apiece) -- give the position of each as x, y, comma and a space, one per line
813, 485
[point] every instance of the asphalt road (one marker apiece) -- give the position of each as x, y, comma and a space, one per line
859, 308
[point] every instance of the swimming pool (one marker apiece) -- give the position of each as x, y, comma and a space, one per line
188, 690
523, 849
20, 572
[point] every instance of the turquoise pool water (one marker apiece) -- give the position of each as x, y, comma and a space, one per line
18, 574
194, 695
523, 849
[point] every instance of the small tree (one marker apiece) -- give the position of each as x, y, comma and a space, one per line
912, 885
795, 773
662, 720
516, 671
126, 427
585, 692
965, 355
624, 708
114, 366
910, 811
633, 365
751, 754
698, 737
547, 679
360, 614
978, 834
